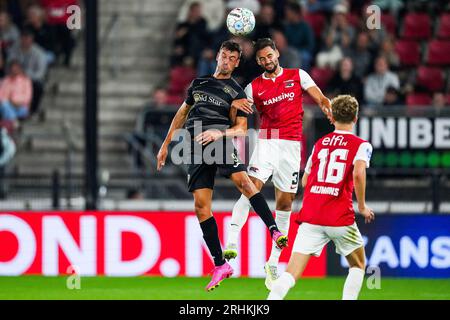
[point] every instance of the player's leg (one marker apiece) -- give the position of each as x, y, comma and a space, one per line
259, 204
259, 171
296, 266
284, 202
355, 277
349, 243
208, 224
285, 179
310, 240
239, 216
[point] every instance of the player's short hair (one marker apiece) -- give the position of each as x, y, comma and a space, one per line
231, 46
344, 108
264, 43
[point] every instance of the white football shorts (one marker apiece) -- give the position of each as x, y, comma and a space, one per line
312, 238
279, 159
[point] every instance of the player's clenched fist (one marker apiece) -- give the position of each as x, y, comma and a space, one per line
367, 213
161, 157
243, 104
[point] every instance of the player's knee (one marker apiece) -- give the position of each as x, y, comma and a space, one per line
248, 189
358, 263
202, 210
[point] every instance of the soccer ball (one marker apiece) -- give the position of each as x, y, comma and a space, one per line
240, 21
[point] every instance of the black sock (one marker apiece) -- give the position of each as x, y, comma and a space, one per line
260, 206
211, 236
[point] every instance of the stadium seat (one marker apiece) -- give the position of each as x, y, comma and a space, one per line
438, 52
317, 22
443, 30
408, 52
322, 76
389, 23
418, 99
416, 26
431, 78
180, 78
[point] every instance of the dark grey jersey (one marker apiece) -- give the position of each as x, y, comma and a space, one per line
211, 100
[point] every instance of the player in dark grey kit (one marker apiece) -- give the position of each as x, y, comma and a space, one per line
214, 112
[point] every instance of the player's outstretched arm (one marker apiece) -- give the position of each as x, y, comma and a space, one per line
323, 102
177, 123
359, 179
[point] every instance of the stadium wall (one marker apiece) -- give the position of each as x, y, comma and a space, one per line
171, 244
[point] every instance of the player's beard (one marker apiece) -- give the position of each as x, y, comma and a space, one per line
226, 72
272, 70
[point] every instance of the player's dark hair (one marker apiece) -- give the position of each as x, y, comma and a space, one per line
264, 43
344, 108
231, 46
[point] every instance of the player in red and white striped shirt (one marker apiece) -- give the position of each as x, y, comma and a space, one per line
335, 168
277, 95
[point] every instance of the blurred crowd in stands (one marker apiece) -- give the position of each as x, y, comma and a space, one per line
404, 61
33, 38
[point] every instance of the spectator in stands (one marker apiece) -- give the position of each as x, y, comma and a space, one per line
191, 36
330, 54
392, 97
339, 25
299, 34
378, 82
387, 50
265, 22
439, 100
319, 5
16, 91
43, 36
207, 63
9, 33
57, 16
345, 82
361, 56
34, 62
289, 57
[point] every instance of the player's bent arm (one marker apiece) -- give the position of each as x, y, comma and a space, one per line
238, 129
323, 102
359, 179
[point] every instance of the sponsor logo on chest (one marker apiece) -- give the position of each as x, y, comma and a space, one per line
289, 96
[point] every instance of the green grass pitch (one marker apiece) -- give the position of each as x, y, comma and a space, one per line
154, 288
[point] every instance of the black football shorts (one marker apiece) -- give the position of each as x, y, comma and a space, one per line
202, 175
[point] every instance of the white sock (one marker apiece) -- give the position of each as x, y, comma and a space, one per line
281, 286
241, 210
282, 219
353, 284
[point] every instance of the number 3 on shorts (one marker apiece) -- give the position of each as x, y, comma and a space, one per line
295, 181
